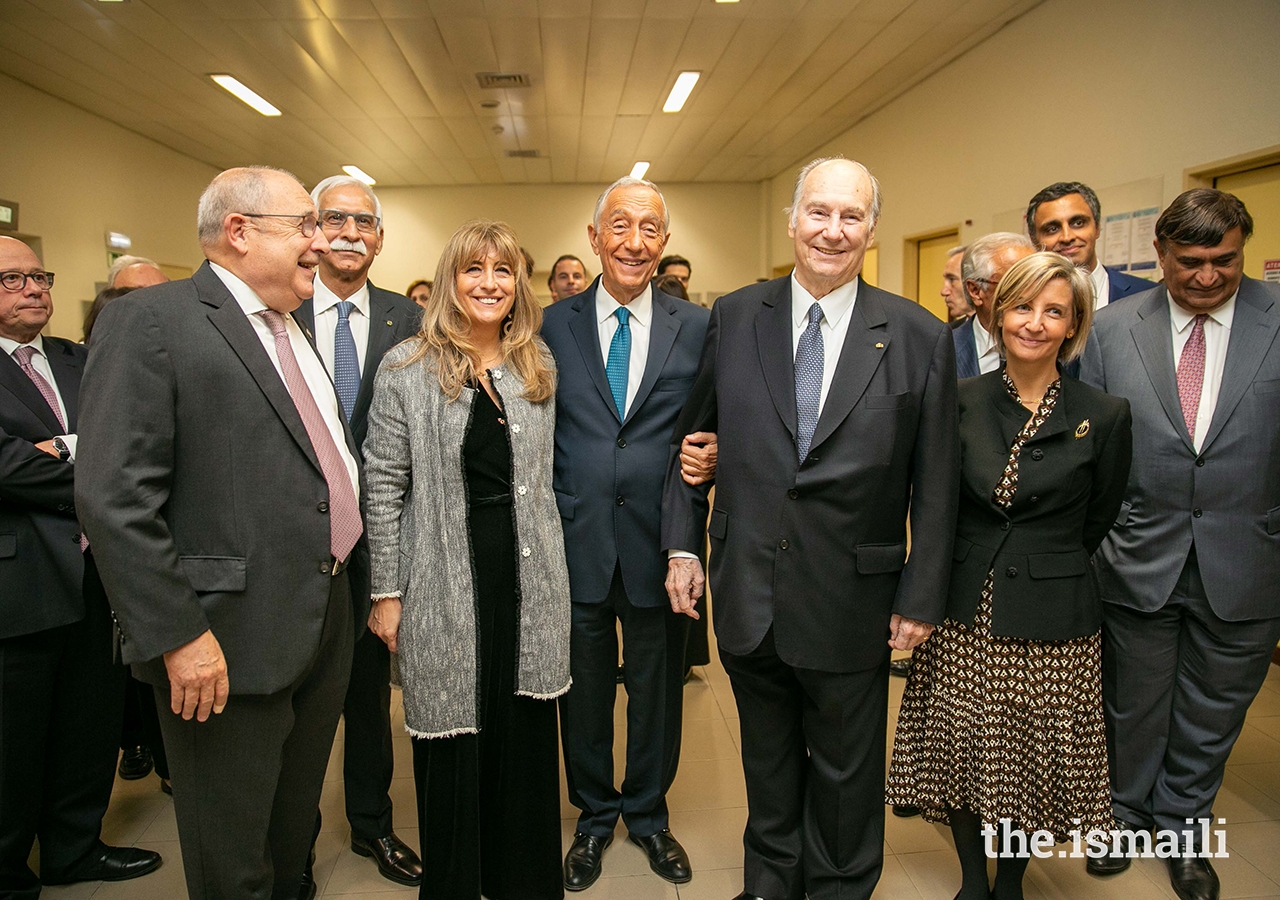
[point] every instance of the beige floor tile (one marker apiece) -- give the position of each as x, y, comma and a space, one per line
1239, 801
700, 702
1264, 776
711, 837
707, 739
130, 815
82, 890
1239, 878
630, 887
712, 884
708, 784
333, 772
1066, 879
734, 724
354, 874
1257, 843
1268, 725
935, 874
1254, 746
915, 835
404, 803
164, 827
895, 883
1266, 704
333, 808
329, 846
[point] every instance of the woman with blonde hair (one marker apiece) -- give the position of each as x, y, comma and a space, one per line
1001, 720
470, 586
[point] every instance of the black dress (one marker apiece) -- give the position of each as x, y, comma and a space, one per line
489, 803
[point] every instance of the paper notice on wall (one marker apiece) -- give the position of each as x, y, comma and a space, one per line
1271, 270
1142, 251
1115, 240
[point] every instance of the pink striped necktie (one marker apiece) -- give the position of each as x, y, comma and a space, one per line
23, 357
345, 525
1191, 375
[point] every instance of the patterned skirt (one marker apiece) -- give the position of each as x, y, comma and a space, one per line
1006, 727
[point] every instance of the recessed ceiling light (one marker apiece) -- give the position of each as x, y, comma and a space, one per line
638, 170
360, 174
244, 94
680, 91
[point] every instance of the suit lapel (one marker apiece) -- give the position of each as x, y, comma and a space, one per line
13, 379
967, 350
1253, 330
1154, 341
777, 360
663, 328
865, 345
67, 370
583, 326
227, 316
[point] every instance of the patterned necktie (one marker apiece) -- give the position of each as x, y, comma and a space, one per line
23, 357
345, 525
1191, 375
808, 380
346, 365
620, 361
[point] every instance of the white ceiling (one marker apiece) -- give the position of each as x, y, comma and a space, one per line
390, 86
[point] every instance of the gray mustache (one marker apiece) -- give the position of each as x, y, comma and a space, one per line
344, 244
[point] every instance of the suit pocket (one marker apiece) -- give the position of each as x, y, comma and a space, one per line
1273, 525
8, 545
887, 401
1266, 387
1122, 517
567, 503
1057, 565
225, 574
880, 559
719, 524
673, 384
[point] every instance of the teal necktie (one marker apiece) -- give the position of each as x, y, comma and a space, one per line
620, 361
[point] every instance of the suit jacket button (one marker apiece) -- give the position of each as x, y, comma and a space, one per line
1037, 454
515, 429
622, 442
1005, 526
793, 493
75, 539
1197, 512
1035, 499
1200, 461
323, 506
324, 567
522, 490
1011, 572
621, 501
525, 551
783, 544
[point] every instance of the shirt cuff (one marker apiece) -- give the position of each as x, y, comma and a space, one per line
70, 441
681, 554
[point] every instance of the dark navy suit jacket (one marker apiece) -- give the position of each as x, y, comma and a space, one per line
1123, 285
609, 472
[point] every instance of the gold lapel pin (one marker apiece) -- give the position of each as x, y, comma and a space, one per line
879, 346
388, 321
1082, 429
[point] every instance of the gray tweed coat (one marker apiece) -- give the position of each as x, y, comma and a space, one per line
417, 523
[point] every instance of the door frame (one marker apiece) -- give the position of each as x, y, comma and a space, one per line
1202, 176
911, 257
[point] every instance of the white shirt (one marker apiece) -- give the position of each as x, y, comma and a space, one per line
640, 323
1217, 332
325, 306
836, 307
40, 363
985, 346
313, 371
1101, 282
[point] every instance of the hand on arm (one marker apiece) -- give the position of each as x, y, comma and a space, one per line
684, 584
698, 454
907, 634
197, 678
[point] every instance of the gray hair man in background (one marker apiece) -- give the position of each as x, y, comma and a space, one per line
135, 272
983, 265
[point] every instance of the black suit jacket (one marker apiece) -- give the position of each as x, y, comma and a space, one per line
392, 318
608, 472
819, 551
41, 567
200, 490
1071, 481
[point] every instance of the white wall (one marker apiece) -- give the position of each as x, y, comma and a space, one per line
718, 227
1105, 92
76, 176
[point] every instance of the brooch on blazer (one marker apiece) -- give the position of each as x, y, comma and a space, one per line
388, 321
879, 346
1082, 429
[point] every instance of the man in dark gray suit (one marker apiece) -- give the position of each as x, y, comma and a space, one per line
219, 486
835, 408
354, 323
1189, 572
626, 355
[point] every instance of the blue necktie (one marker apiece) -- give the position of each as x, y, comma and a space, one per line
808, 381
620, 361
346, 365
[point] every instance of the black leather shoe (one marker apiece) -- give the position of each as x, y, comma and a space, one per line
167, 786
307, 889
396, 862
582, 862
1114, 864
135, 763
745, 896
1193, 879
906, 812
666, 857
900, 667
109, 864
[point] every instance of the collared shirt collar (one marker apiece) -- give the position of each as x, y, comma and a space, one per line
834, 306
983, 340
243, 294
326, 298
1101, 285
1223, 315
639, 308
8, 346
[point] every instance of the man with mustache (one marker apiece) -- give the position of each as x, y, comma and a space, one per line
354, 323
219, 488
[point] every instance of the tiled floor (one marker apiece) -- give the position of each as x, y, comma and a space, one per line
708, 810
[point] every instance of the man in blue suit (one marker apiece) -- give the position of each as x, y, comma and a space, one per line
627, 355
1066, 217
984, 264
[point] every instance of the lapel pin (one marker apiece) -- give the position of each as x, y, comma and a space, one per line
388, 321
1082, 429
879, 346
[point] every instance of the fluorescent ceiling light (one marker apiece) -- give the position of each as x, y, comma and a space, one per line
638, 170
726, 1
680, 91
233, 86
360, 175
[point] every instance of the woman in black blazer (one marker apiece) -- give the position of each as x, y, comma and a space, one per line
1002, 714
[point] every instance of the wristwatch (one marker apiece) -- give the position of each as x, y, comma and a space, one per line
64, 452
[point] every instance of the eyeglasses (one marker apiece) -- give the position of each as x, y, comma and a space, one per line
307, 223
13, 280
336, 220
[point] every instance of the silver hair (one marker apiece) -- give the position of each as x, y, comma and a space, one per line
628, 181
238, 190
798, 191
125, 262
954, 250
979, 260
334, 181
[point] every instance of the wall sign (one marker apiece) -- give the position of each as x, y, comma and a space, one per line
8, 215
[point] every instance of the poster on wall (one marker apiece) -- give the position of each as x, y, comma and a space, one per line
1271, 270
1115, 237
1142, 251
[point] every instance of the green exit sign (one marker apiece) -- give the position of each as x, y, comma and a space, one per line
8, 215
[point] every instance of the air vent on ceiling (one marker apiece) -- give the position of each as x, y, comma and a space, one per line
522, 154
494, 80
